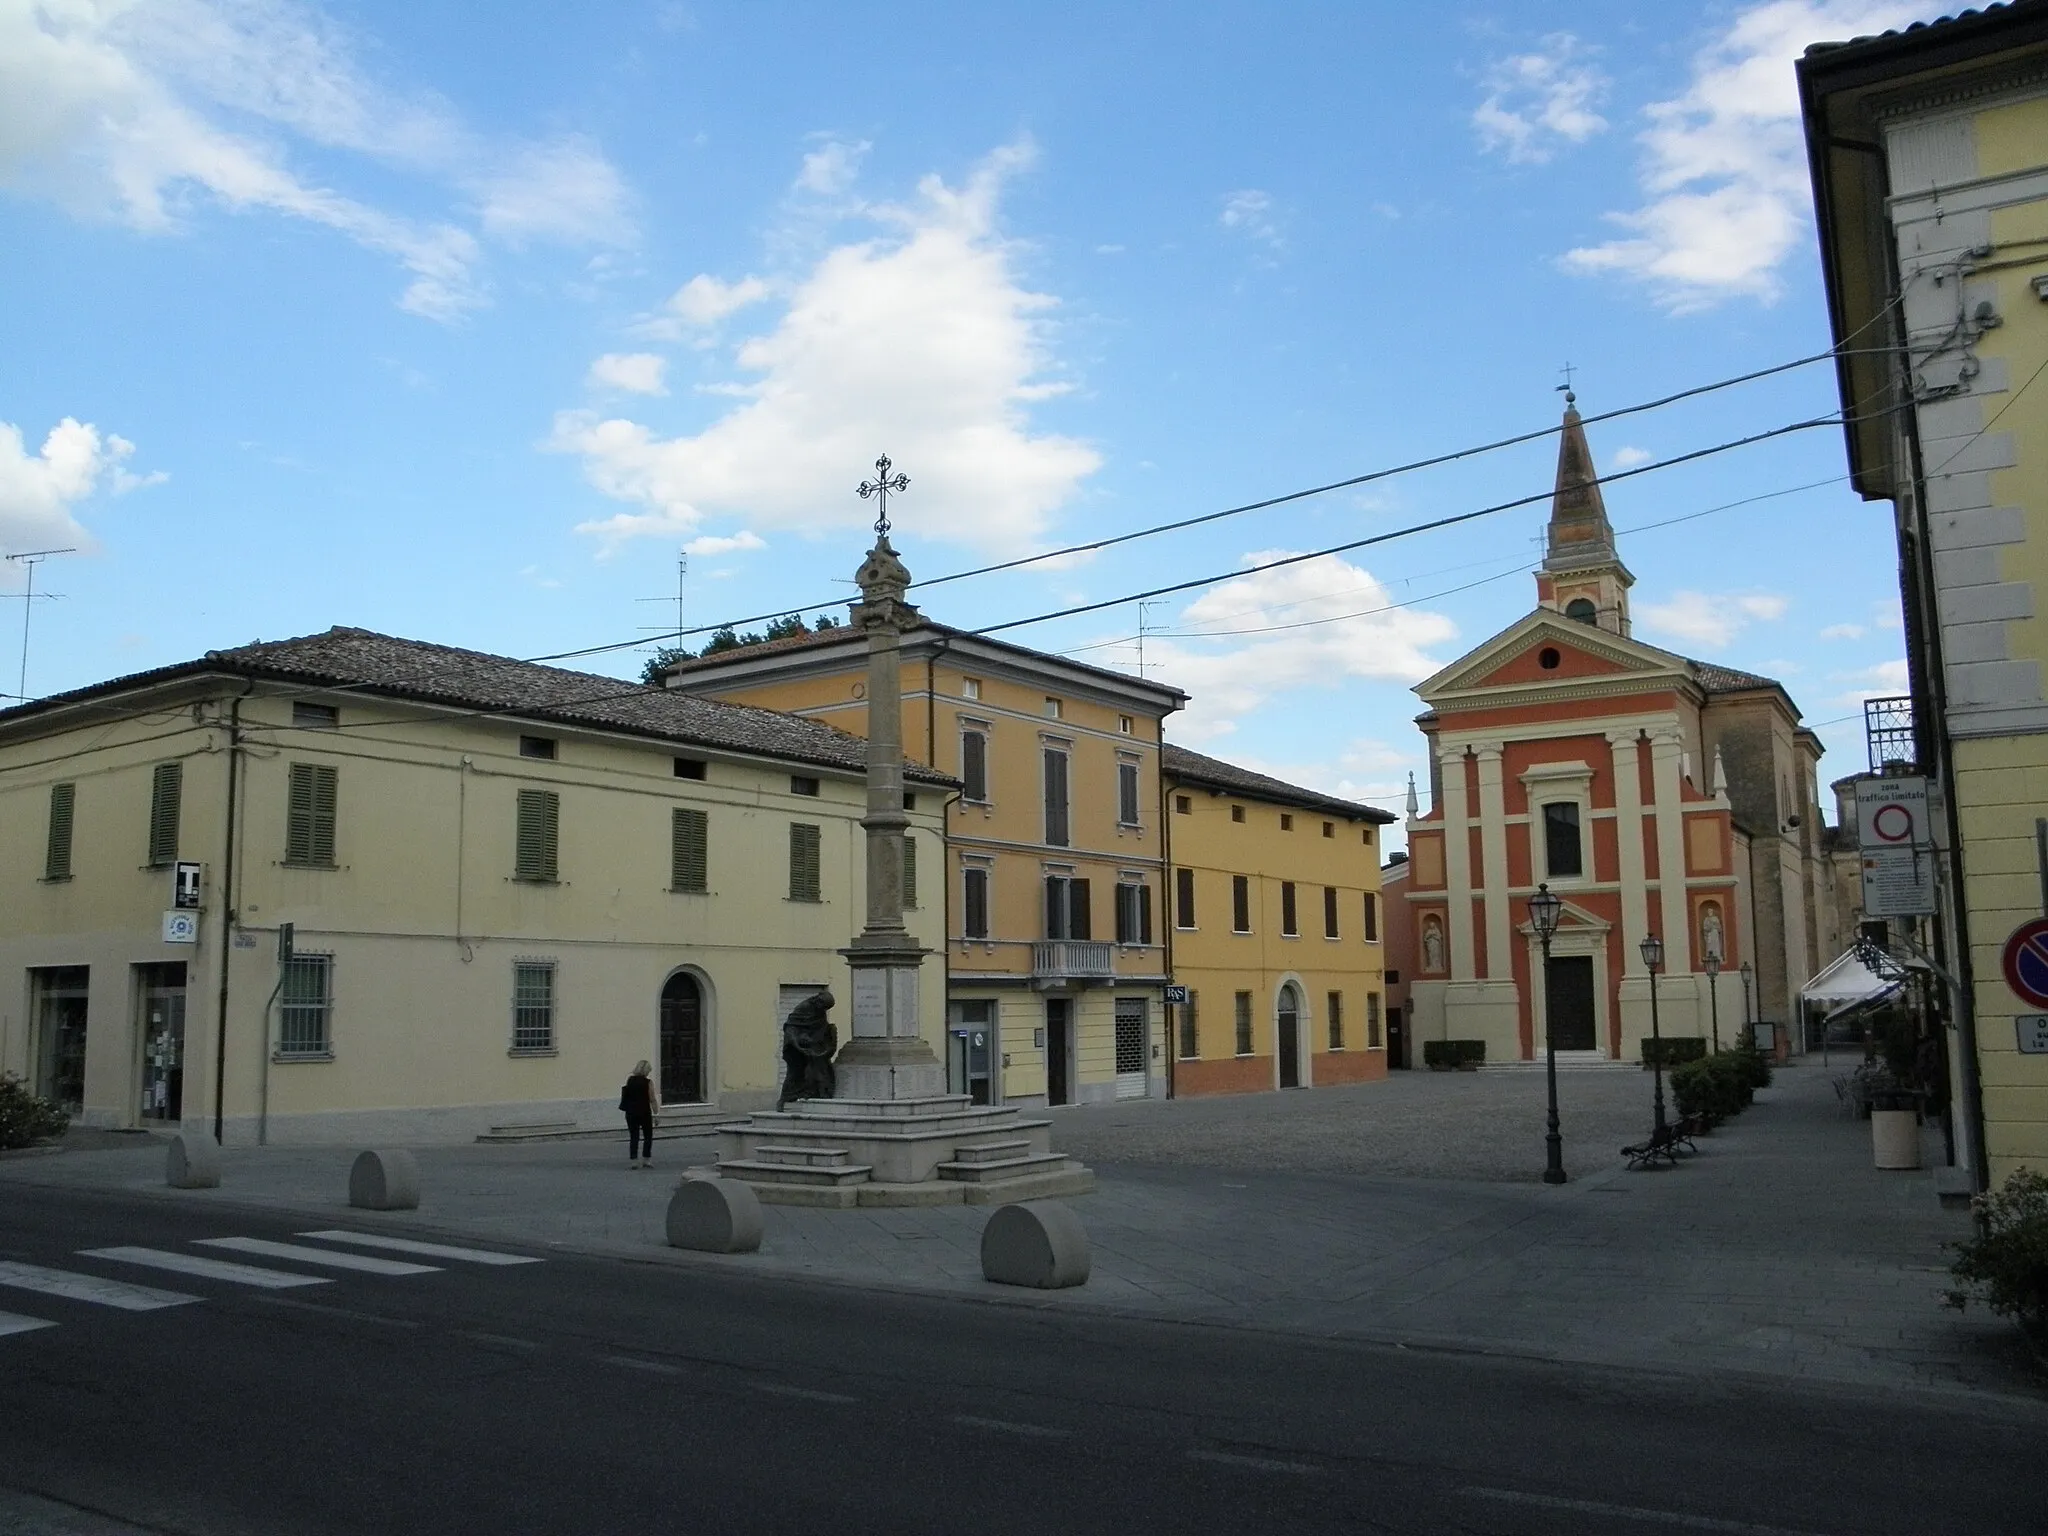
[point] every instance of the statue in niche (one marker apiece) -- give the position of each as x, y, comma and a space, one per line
809, 1040
1432, 945
1710, 931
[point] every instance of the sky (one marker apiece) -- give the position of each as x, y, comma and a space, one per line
470, 324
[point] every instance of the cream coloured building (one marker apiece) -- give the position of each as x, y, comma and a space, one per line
506, 883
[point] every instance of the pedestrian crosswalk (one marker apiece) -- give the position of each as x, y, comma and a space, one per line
92, 1288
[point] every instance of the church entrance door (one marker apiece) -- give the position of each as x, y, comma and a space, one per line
1568, 1002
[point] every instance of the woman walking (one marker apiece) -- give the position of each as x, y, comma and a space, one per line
639, 1100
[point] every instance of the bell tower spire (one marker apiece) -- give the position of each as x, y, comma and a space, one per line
1582, 575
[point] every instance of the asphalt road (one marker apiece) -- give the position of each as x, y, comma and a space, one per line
582, 1394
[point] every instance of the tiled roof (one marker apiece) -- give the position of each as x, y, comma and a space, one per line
1716, 678
1185, 767
1960, 17
386, 666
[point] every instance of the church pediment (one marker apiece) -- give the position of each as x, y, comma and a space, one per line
1515, 660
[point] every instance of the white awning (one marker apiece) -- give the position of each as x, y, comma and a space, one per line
1845, 980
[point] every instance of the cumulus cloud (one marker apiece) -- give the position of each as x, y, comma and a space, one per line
1366, 769
1844, 632
1724, 165
1710, 619
1536, 102
40, 492
636, 373
1887, 679
921, 340
1250, 213
701, 303
832, 168
144, 113
1336, 621
723, 544
1630, 457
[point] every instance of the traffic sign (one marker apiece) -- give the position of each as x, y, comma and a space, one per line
1896, 839
2026, 962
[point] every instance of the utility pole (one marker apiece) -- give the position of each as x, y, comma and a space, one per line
29, 560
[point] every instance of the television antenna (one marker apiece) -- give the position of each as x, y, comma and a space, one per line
29, 559
1157, 602
680, 599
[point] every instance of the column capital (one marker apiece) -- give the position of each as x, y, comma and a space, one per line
1448, 753
1628, 738
1488, 751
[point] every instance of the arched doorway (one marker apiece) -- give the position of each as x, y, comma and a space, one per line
682, 1040
1290, 1037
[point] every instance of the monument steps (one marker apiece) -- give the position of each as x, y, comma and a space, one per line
962, 1172
760, 1171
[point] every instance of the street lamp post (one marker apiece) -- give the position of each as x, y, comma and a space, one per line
1653, 959
1712, 966
1747, 1033
1543, 913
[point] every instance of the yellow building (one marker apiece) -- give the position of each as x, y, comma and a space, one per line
1929, 151
506, 883
1277, 931
1049, 892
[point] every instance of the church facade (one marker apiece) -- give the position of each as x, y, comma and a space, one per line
1654, 794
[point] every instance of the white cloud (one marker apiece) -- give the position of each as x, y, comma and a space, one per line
919, 340
723, 544
1630, 457
1708, 618
1844, 632
1885, 680
1537, 101
832, 168
637, 373
1366, 770
40, 492
702, 302
144, 113
1724, 167
1250, 213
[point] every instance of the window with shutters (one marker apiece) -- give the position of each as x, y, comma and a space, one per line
1190, 1031
1372, 1020
535, 847
1336, 1008
1133, 912
315, 717
1372, 918
1244, 1023
974, 901
909, 871
309, 815
806, 880
1127, 793
306, 1006
166, 789
1290, 926
1056, 797
1066, 908
974, 764
1329, 912
533, 1008
689, 856
1183, 898
1240, 904
57, 850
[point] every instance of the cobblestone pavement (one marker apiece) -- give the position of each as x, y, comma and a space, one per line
1777, 1250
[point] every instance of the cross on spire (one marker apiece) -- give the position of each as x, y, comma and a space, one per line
1568, 370
879, 488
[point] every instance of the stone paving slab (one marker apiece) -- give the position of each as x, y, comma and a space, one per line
1778, 1250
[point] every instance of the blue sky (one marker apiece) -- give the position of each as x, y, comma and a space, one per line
385, 315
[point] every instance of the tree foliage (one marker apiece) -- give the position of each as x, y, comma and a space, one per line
726, 638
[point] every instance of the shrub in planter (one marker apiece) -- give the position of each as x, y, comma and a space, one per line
1443, 1055
25, 1118
1693, 1090
2005, 1265
1753, 1066
1677, 1050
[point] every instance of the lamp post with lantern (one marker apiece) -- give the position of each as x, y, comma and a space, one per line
1712, 966
1543, 914
1653, 961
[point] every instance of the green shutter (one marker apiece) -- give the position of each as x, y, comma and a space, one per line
57, 859
309, 815
165, 790
534, 854
909, 870
804, 878
689, 850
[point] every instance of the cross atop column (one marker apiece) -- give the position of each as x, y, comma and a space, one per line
879, 488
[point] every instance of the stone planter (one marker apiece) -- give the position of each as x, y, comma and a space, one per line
1895, 1138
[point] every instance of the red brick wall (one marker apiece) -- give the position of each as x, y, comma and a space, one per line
1232, 1074
1331, 1067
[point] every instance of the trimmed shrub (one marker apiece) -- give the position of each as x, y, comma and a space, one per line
24, 1118
1716, 1086
1677, 1050
2005, 1265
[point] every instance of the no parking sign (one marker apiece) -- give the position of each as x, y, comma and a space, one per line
2026, 962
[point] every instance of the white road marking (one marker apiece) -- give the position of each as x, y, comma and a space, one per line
14, 1322
1256, 1463
502, 1339
361, 1262
425, 1250
635, 1363
207, 1269
779, 1390
1629, 1512
96, 1289
1011, 1426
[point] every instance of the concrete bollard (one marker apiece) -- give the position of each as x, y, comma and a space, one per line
714, 1216
194, 1161
1038, 1243
385, 1181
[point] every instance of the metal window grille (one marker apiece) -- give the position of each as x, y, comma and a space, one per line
1130, 1036
1190, 1029
309, 814
537, 844
689, 850
909, 870
805, 878
533, 1005
1888, 731
1244, 1023
974, 903
1336, 1001
166, 790
1329, 912
1372, 1020
1289, 922
1184, 898
306, 1010
57, 854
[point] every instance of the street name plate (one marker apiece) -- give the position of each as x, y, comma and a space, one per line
2033, 1032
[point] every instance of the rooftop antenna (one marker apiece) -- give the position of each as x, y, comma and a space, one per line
680, 599
30, 559
1157, 602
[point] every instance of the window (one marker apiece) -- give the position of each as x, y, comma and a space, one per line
57, 851
1133, 912
1329, 829
974, 901
1190, 1032
166, 789
1367, 838
1372, 918
315, 717
1054, 709
306, 1012
970, 687
1056, 797
1123, 725
1561, 854
689, 850
309, 815
542, 747
910, 802
1286, 822
1127, 794
1244, 1023
1237, 813
1372, 1021
802, 784
1183, 898
1336, 1007
535, 847
1290, 927
1066, 907
1183, 805
1393, 978
1329, 912
1240, 904
974, 765
909, 870
1582, 609
805, 879
533, 1007
690, 767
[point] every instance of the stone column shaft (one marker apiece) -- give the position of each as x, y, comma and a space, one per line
1628, 840
1675, 926
1493, 853
1458, 864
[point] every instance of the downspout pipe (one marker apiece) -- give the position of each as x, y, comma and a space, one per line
1167, 918
228, 912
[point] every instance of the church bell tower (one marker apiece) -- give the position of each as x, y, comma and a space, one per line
1582, 576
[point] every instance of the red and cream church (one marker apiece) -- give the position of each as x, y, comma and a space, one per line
1654, 794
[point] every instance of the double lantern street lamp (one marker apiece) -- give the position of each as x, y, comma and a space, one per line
1653, 960
1544, 909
